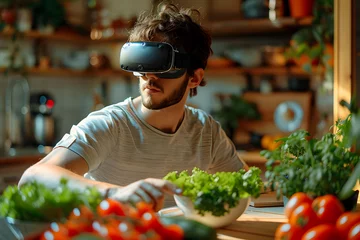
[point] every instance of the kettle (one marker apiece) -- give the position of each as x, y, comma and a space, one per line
41, 105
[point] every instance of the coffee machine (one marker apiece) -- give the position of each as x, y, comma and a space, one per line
43, 122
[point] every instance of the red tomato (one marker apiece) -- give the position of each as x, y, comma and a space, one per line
354, 233
295, 200
77, 226
110, 206
143, 207
288, 232
51, 235
322, 232
150, 221
328, 208
82, 212
346, 221
173, 231
304, 217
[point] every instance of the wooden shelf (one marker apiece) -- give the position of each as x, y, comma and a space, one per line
267, 70
248, 26
66, 36
210, 72
59, 72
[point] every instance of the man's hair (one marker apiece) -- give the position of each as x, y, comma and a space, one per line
178, 27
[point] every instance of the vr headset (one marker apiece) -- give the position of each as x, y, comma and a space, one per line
158, 58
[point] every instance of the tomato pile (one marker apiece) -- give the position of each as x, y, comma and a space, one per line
318, 219
114, 220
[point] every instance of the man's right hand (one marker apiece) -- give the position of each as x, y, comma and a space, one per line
150, 190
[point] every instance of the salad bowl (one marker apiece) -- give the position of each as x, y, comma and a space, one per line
187, 207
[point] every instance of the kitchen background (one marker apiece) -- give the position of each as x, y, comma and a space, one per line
265, 56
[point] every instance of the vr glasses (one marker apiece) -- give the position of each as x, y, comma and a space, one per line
158, 58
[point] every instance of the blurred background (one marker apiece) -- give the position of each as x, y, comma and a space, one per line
272, 71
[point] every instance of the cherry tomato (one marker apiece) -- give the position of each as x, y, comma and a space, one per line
51, 235
82, 212
110, 206
150, 221
173, 231
295, 200
77, 226
143, 207
287, 231
328, 208
322, 232
346, 221
304, 217
354, 233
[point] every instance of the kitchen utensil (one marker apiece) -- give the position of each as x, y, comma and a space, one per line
246, 57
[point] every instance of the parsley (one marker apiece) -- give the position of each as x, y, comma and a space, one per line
214, 192
316, 166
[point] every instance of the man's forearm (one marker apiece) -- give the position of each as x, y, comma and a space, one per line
50, 176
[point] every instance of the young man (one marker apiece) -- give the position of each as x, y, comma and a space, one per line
129, 146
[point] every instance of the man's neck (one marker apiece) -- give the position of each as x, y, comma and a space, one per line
167, 120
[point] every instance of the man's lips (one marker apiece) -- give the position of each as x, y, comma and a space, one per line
152, 89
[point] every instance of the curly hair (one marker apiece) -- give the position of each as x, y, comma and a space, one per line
180, 28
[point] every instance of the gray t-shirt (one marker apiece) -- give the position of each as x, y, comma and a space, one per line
121, 148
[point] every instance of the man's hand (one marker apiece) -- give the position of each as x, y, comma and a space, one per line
149, 190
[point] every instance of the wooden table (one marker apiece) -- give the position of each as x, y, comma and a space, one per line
254, 224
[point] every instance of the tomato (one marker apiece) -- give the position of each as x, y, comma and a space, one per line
354, 233
322, 232
82, 212
304, 216
287, 231
150, 221
110, 206
346, 221
295, 200
51, 235
328, 208
143, 207
173, 231
77, 226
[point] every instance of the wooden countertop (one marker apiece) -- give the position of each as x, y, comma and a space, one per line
26, 159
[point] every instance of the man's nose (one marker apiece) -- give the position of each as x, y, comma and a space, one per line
150, 76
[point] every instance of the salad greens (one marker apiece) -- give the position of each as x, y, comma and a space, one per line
315, 166
36, 202
217, 193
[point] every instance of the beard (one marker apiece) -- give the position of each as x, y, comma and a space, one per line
175, 96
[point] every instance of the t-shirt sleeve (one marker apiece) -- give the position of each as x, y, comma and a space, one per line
224, 155
93, 138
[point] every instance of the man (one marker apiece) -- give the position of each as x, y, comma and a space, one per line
129, 146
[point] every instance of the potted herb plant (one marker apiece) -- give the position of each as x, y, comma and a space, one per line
312, 47
316, 166
232, 108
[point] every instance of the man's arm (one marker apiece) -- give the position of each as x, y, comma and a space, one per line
63, 163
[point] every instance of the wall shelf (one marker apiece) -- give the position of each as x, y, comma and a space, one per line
59, 72
248, 26
267, 70
67, 36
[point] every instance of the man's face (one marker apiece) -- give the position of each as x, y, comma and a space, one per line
157, 93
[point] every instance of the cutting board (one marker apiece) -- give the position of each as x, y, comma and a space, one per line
267, 200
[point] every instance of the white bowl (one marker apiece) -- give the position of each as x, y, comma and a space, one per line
186, 205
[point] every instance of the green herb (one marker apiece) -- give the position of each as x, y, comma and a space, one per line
36, 202
315, 166
214, 192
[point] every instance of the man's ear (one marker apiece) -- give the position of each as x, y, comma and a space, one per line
195, 80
